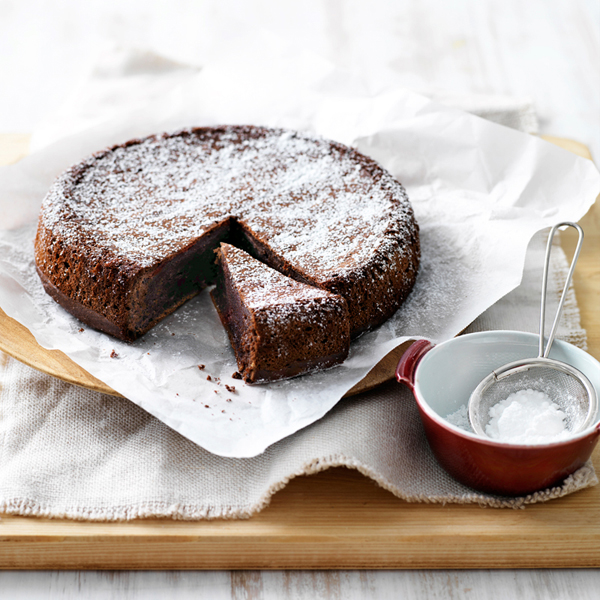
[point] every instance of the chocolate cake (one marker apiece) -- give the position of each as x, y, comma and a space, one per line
128, 235
278, 327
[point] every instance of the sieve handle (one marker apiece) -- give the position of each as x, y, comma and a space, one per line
544, 352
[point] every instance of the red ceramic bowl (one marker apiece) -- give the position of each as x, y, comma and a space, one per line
442, 378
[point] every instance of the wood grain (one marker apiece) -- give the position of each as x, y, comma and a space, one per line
18, 342
337, 519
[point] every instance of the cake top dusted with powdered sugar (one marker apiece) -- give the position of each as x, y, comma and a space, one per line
127, 235
262, 287
319, 205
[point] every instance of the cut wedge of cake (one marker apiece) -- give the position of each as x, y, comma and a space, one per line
278, 327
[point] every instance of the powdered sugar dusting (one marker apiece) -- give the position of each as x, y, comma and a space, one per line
321, 206
263, 287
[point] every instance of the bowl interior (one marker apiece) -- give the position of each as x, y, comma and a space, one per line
448, 374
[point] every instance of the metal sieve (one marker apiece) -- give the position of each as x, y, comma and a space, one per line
565, 385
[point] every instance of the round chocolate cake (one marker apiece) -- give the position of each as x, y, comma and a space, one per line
128, 235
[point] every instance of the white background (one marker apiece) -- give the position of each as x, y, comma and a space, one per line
546, 50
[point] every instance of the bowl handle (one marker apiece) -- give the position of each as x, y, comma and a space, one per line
407, 367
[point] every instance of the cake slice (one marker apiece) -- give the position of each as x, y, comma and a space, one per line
278, 327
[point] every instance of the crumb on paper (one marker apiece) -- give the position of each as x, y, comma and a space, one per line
81, 329
113, 354
236, 375
208, 378
230, 388
201, 367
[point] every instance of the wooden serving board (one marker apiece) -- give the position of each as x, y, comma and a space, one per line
336, 519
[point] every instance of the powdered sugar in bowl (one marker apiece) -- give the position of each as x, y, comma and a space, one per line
442, 378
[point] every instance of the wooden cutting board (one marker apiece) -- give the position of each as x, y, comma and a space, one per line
334, 520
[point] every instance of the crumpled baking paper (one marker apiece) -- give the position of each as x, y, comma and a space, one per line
480, 191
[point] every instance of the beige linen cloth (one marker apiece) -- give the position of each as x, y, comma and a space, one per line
69, 452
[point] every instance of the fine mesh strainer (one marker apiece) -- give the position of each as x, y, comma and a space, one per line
566, 386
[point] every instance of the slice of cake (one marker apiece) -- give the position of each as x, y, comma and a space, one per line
278, 327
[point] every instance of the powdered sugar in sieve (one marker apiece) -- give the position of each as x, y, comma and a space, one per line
566, 387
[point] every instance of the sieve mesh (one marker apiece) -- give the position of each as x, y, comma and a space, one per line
566, 386
564, 389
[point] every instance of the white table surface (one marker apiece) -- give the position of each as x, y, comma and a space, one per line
546, 50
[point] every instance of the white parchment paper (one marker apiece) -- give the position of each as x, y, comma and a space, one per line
479, 190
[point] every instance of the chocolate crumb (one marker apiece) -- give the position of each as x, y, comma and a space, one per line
172, 334
206, 406
201, 367
228, 400
236, 375
113, 354
81, 329
208, 378
230, 388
